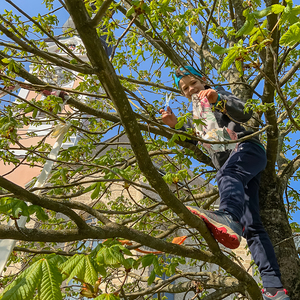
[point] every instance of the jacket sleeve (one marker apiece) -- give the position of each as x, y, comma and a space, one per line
234, 106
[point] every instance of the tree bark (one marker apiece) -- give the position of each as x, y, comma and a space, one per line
274, 218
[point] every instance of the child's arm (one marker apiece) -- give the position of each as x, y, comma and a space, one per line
234, 106
168, 117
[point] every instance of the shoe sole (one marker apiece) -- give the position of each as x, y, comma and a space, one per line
275, 297
222, 233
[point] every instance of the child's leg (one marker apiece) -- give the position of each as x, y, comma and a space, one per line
245, 163
257, 238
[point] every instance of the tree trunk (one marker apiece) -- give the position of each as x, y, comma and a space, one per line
276, 223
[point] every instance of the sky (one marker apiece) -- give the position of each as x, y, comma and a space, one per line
34, 7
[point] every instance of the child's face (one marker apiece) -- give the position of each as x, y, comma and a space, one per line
189, 85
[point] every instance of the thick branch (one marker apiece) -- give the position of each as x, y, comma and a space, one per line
25, 195
289, 169
101, 12
268, 97
290, 73
38, 235
207, 280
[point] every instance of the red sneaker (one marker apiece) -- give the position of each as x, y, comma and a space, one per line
280, 295
220, 223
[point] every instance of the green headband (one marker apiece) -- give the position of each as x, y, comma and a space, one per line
186, 70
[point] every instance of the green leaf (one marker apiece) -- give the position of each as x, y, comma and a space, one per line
5, 60
142, 18
73, 61
292, 36
70, 264
277, 8
28, 109
16, 68
170, 9
79, 269
157, 267
247, 27
130, 11
151, 278
20, 209
35, 111
82, 267
91, 187
57, 259
40, 213
172, 140
107, 297
129, 263
90, 275
147, 260
220, 50
199, 122
102, 270
15, 207
63, 175
180, 123
23, 288
262, 13
96, 191
239, 66
111, 256
50, 283
229, 59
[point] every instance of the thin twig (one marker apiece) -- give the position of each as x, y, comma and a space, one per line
65, 48
207, 24
120, 38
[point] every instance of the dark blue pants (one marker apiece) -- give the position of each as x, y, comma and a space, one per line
238, 182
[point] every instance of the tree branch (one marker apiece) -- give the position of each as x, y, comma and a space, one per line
101, 12
204, 34
34, 251
62, 46
290, 73
25, 195
56, 59
155, 40
206, 280
289, 169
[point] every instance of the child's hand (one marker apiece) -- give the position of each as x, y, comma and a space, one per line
210, 94
168, 117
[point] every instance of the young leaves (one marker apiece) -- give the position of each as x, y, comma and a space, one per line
82, 267
43, 276
292, 36
235, 54
151, 259
50, 282
24, 286
113, 256
16, 208
107, 297
289, 18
